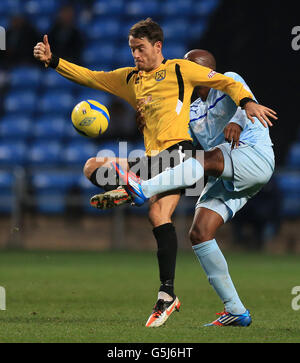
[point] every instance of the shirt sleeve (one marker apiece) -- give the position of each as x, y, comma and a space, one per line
239, 118
114, 82
203, 76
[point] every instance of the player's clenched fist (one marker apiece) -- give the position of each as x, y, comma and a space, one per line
42, 51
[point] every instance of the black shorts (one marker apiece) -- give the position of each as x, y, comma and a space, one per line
148, 167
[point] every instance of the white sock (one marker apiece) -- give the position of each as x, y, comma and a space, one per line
181, 176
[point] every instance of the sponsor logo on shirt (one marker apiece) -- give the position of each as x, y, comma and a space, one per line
211, 74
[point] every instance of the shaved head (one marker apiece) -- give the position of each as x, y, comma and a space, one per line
202, 57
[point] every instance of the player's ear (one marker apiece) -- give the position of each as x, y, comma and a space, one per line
158, 46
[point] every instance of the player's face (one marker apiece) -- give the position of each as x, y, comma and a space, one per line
146, 56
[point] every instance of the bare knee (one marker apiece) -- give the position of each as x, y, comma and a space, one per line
89, 167
200, 233
94, 163
161, 209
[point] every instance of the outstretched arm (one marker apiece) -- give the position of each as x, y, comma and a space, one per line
113, 82
204, 76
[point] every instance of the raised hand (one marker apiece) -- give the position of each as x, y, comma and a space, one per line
261, 112
42, 51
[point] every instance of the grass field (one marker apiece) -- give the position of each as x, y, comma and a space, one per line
107, 297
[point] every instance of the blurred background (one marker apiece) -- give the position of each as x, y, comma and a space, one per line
44, 197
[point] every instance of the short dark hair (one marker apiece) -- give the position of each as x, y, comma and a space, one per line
147, 29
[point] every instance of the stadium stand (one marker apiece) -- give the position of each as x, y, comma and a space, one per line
12, 154
35, 127
51, 189
289, 187
6, 191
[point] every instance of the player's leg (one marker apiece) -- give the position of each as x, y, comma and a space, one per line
101, 174
214, 163
210, 163
92, 169
202, 234
187, 173
161, 208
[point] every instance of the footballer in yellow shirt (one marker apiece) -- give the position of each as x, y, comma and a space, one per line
160, 89
165, 92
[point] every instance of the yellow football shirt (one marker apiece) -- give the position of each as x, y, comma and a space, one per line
164, 92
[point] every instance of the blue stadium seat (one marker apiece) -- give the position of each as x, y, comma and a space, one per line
92, 94
43, 23
124, 58
71, 134
54, 180
293, 156
140, 8
177, 7
17, 128
110, 8
288, 182
290, 206
40, 7
205, 7
24, 102
49, 128
54, 81
289, 186
6, 180
56, 102
45, 154
25, 77
12, 153
103, 28
49, 202
4, 20
126, 25
99, 66
109, 148
9, 7
78, 152
176, 30
99, 52
87, 187
174, 50
51, 189
6, 191
199, 28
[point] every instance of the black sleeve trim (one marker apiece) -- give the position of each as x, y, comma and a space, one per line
245, 100
130, 75
54, 61
180, 82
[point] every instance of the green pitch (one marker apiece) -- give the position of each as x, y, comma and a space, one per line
107, 297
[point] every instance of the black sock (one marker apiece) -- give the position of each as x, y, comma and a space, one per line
93, 178
166, 254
